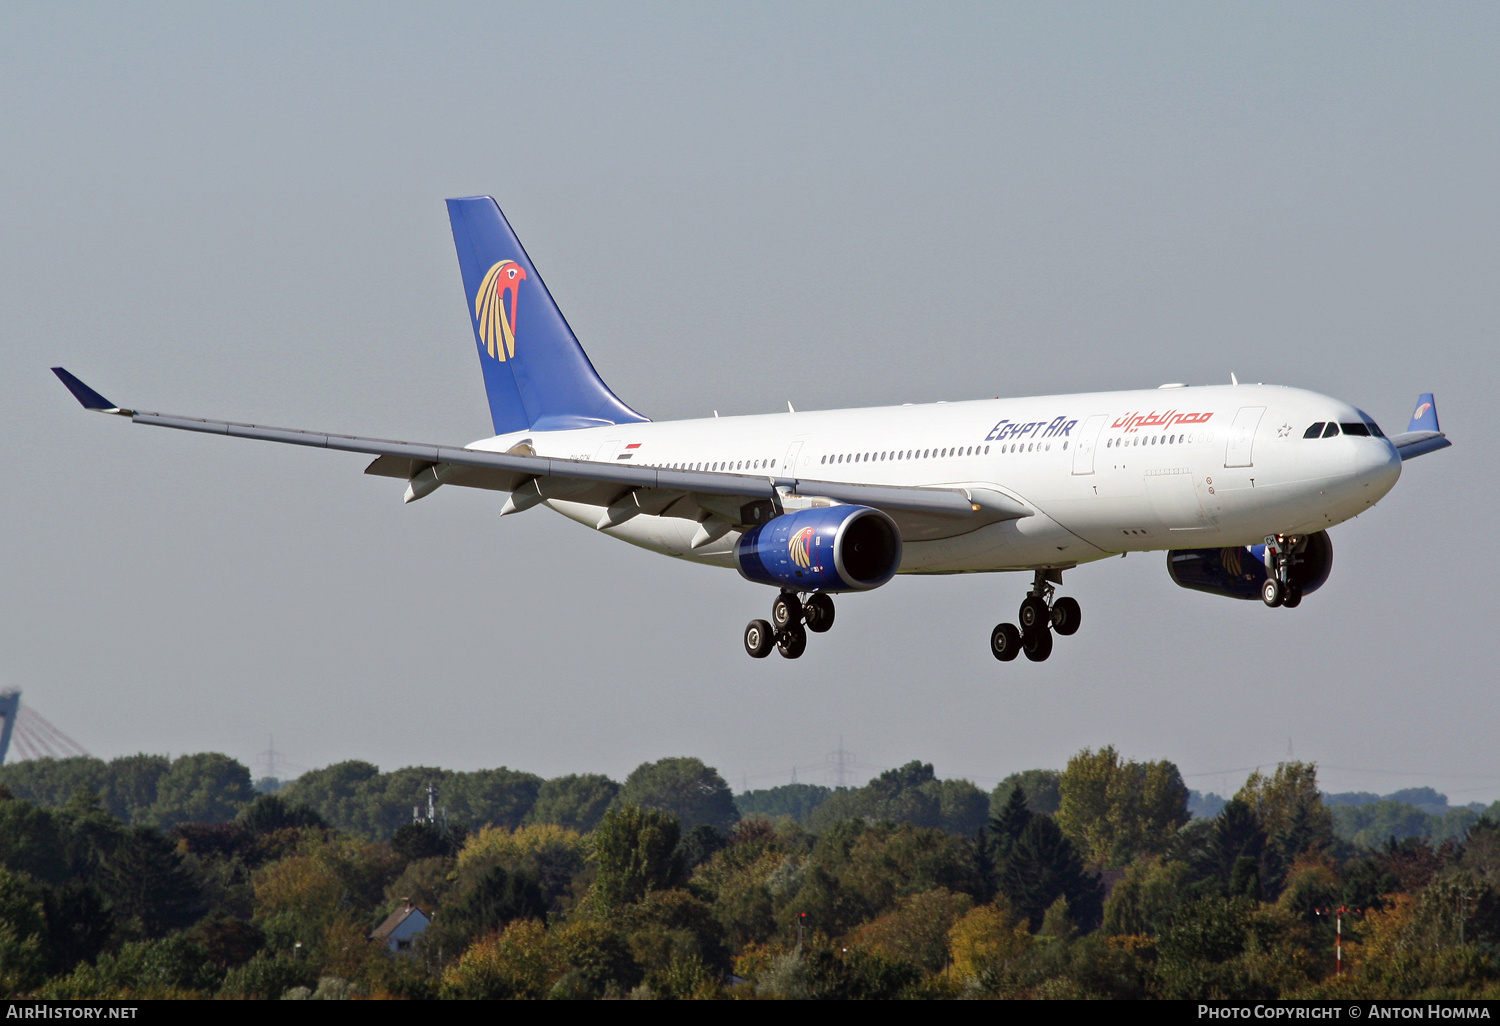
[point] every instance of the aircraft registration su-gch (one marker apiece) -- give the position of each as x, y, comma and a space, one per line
1239, 484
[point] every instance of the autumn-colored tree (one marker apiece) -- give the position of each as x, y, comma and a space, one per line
986, 938
523, 961
916, 930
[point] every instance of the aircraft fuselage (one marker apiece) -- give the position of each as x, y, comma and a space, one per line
1104, 473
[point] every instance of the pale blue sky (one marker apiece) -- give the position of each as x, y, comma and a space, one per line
235, 210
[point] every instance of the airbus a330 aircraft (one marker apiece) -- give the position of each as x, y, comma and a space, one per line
1238, 483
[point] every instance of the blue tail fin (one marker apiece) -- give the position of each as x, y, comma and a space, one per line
535, 372
1424, 417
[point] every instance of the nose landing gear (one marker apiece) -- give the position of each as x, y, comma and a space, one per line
791, 619
1284, 552
1040, 617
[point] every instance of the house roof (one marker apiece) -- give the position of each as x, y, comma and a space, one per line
395, 919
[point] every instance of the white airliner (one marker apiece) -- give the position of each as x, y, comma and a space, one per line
1238, 483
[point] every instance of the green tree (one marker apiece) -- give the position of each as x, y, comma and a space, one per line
338, 794
422, 841
1143, 901
1290, 808
576, 802
636, 850
31, 842
386, 801
1236, 834
1038, 786
495, 900
684, 788
1044, 866
22, 926
147, 885
493, 797
269, 813
796, 801
1114, 810
52, 781
203, 788
962, 807
910, 794
130, 789
598, 960
78, 926
1199, 952
1009, 822
162, 967
267, 976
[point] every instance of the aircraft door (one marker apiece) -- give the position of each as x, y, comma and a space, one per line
1088, 441
608, 451
789, 461
1242, 437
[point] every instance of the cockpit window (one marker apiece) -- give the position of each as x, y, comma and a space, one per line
1331, 430
1370, 423
1356, 429
1316, 431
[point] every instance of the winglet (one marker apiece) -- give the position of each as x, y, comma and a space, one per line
90, 399
1424, 417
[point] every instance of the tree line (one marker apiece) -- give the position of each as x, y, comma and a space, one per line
173, 878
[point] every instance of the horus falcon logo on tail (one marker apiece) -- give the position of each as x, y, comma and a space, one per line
496, 330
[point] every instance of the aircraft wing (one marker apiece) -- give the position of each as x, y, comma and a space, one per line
738, 500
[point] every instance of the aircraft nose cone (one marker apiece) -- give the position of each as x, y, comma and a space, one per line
1378, 468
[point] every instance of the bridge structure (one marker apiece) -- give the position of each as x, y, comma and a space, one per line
32, 735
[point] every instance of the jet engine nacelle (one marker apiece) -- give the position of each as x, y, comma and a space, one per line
1240, 571
828, 548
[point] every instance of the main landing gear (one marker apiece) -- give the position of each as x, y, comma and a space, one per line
1040, 617
791, 619
1283, 554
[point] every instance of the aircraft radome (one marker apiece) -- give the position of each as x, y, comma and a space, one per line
1239, 484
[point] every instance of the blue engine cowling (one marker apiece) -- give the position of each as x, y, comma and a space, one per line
831, 548
1240, 571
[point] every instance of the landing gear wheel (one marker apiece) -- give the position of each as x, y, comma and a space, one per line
1005, 642
1272, 593
1037, 644
786, 611
1033, 613
818, 613
792, 642
1066, 616
758, 639
1293, 597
